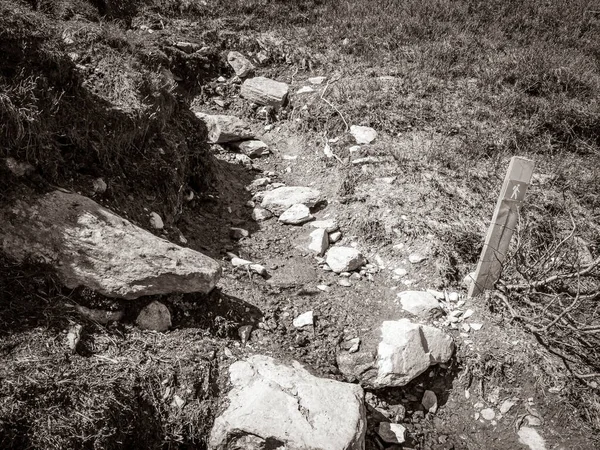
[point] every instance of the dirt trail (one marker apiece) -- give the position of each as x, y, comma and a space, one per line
489, 372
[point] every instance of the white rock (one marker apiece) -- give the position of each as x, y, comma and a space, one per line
531, 438
222, 128
316, 80
329, 225
429, 401
259, 182
319, 241
303, 320
73, 336
507, 405
344, 282
401, 272
253, 148
415, 258
154, 316
453, 296
476, 326
260, 214
296, 215
253, 267
363, 135
265, 91
335, 237
156, 222
419, 303
323, 287
280, 199
274, 402
488, 414
240, 64
402, 353
468, 313
88, 245
392, 433
344, 259
305, 90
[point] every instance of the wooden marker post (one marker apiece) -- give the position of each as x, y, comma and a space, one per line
503, 225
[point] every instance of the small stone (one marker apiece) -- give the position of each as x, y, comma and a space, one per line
344, 282
156, 222
280, 199
252, 148
243, 160
319, 241
316, 80
533, 421
329, 225
154, 316
363, 135
418, 303
345, 274
177, 402
465, 327
73, 336
240, 64
507, 405
453, 296
344, 259
531, 438
429, 401
238, 233
99, 186
304, 320
296, 215
265, 91
488, 414
244, 333
326, 268
401, 272
468, 279
260, 214
416, 258
323, 287
335, 237
259, 182
476, 326
305, 90
355, 345
468, 313
392, 433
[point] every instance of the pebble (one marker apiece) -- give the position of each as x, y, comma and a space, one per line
488, 414
344, 282
154, 316
401, 272
323, 287
238, 233
468, 313
260, 214
429, 401
305, 90
329, 225
363, 135
507, 405
316, 80
335, 236
415, 258
156, 222
453, 296
465, 327
392, 433
355, 345
99, 186
244, 333
476, 326
319, 241
303, 320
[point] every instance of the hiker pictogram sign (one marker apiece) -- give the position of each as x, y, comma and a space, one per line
515, 191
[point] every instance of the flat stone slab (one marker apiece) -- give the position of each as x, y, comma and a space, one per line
419, 303
272, 403
88, 245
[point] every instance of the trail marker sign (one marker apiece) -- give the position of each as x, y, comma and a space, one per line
503, 225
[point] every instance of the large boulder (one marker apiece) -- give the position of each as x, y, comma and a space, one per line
282, 198
395, 355
274, 405
90, 246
